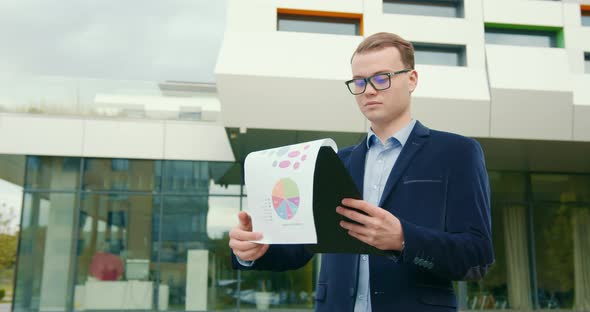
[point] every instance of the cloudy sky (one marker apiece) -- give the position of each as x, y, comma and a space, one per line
112, 39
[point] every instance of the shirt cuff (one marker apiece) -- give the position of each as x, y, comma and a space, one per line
244, 262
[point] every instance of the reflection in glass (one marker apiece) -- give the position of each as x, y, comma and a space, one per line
506, 286
289, 290
120, 174
45, 252
554, 255
113, 256
186, 176
194, 265
55, 173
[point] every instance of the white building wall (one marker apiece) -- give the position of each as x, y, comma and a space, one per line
288, 80
28, 134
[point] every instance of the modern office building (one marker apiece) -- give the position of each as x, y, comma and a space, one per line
130, 188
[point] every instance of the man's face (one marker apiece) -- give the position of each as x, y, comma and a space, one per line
382, 107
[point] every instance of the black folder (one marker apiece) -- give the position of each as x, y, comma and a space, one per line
331, 184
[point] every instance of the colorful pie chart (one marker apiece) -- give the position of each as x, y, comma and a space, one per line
285, 198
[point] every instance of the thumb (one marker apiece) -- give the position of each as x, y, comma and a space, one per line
245, 221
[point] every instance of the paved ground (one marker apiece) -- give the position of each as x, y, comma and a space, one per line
4, 307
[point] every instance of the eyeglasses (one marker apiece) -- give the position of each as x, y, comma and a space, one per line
379, 82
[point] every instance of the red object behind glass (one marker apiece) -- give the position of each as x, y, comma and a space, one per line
106, 266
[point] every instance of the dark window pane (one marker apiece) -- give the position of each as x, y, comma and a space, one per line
120, 174
507, 283
284, 290
186, 176
45, 252
546, 39
585, 18
442, 8
439, 55
587, 63
318, 24
555, 254
52, 173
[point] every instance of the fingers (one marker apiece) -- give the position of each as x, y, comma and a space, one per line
362, 205
245, 221
360, 229
242, 246
354, 215
252, 254
242, 235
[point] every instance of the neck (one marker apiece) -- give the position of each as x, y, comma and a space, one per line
386, 130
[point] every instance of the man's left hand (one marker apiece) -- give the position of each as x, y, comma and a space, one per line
379, 228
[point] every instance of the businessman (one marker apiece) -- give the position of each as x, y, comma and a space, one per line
426, 202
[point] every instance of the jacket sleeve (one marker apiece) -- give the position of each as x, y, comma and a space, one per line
278, 258
463, 251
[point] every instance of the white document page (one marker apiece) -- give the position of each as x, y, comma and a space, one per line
279, 182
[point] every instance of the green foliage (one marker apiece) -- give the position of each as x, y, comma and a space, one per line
8, 245
2, 293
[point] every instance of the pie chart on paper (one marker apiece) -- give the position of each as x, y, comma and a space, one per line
285, 198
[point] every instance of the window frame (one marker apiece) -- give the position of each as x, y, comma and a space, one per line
321, 16
461, 51
458, 5
557, 39
584, 12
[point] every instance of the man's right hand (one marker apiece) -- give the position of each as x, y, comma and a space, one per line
240, 237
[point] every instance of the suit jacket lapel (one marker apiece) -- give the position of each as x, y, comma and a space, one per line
357, 165
417, 139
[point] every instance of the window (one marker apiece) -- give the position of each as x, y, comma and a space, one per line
586, 15
442, 8
435, 54
587, 62
532, 36
319, 22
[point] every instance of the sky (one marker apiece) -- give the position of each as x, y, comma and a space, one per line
111, 39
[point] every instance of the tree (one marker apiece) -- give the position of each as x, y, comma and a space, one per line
7, 251
8, 243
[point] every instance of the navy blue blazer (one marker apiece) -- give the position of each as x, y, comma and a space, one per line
439, 190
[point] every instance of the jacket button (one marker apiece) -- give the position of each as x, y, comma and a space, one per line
351, 291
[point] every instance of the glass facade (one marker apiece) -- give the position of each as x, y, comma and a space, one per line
153, 235
541, 238
441, 8
433, 54
147, 235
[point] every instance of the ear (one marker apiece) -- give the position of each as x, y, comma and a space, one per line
413, 81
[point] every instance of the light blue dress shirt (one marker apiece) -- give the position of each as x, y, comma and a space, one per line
380, 159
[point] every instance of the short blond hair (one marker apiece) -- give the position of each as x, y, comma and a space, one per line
382, 40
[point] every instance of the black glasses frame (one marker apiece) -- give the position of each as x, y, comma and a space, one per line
370, 78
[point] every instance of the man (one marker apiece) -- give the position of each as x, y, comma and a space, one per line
426, 198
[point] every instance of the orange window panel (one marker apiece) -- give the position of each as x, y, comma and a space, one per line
352, 16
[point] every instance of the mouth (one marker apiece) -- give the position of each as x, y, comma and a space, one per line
372, 103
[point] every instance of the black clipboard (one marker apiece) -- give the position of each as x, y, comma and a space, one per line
331, 184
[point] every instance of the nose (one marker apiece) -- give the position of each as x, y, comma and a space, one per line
370, 90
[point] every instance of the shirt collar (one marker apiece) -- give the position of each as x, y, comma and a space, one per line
401, 136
